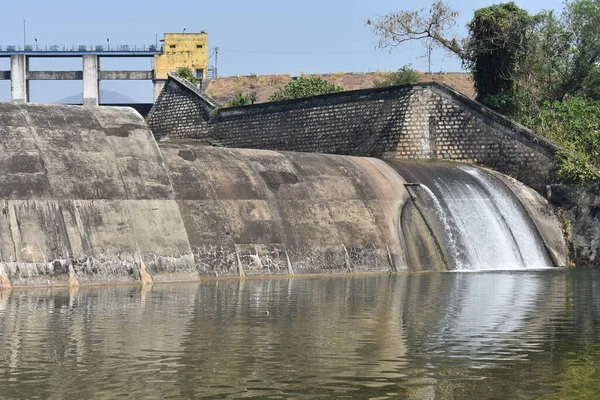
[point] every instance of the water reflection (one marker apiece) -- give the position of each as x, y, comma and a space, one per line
411, 336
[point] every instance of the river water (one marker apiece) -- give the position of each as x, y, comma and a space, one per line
520, 334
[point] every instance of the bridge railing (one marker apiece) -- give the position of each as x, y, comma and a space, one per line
80, 48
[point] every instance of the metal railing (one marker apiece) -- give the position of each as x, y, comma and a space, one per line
80, 48
212, 72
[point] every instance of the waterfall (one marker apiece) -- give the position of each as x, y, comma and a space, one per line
478, 223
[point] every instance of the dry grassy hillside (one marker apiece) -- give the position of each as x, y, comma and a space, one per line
223, 89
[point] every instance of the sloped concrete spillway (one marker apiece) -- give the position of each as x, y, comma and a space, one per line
464, 218
89, 197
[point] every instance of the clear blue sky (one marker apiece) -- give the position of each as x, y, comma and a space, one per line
261, 36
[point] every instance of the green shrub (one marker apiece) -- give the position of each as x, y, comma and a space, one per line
573, 124
404, 76
242, 100
187, 74
305, 87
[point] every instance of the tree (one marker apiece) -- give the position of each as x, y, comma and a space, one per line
516, 58
493, 51
187, 74
431, 26
542, 70
497, 46
304, 87
579, 65
404, 76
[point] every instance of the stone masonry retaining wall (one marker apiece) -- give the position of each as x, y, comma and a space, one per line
427, 120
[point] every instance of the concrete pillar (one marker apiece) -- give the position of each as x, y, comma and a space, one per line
91, 83
159, 84
19, 86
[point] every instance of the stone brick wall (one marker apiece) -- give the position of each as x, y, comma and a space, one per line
180, 110
427, 120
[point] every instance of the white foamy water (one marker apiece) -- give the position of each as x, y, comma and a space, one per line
486, 227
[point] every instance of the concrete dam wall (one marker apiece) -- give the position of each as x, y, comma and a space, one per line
89, 197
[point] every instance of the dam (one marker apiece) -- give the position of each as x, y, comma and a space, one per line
420, 279
89, 196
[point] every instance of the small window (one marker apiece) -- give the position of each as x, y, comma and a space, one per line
199, 46
172, 46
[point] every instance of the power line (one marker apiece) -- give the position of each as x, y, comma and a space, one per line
312, 53
213, 53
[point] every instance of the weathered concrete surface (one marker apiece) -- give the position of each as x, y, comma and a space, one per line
91, 80
87, 196
256, 212
19, 87
126, 75
84, 198
54, 75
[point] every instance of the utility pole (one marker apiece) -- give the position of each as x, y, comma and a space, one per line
216, 62
429, 48
24, 35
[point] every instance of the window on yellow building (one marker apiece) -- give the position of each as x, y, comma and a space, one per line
198, 46
172, 46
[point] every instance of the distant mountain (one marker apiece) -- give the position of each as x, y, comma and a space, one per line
106, 97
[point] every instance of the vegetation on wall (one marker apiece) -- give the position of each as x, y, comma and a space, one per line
542, 70
187, 74
573, 124
404, 76
305, 87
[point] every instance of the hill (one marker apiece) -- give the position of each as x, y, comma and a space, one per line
223, 89
106, 97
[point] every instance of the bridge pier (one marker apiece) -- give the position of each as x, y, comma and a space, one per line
19, 85
91, 81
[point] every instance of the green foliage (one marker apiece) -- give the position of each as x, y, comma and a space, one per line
542, 70
241, 100
187, 74
404, 76
574, 166
497, 46
305, 87
573, 124
581, 22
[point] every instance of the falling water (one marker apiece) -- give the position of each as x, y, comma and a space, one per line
479, 222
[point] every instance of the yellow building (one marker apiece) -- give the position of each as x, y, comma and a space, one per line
183, 50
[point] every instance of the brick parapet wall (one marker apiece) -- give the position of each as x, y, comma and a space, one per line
426, 120
180, 107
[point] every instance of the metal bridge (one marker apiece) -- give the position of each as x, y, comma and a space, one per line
108, 50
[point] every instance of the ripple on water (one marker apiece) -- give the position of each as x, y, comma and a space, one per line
417, 336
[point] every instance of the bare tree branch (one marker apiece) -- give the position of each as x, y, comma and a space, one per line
401, 27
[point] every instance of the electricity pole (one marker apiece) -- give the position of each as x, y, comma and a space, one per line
429, 48
216, 62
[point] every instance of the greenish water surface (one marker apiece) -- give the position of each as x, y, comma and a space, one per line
499, 335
